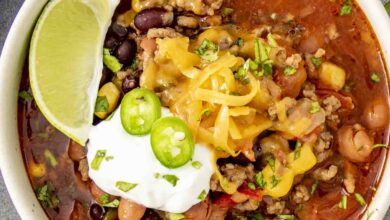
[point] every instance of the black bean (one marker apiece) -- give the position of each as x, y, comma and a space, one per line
106, 76
150, 215
129, 83
153, 18
119, 30
96, 212
126, 52
111, 43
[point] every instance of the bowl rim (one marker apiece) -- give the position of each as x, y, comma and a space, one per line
11, 162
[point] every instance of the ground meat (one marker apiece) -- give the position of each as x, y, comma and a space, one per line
323, 142
272, 112
301, 194
324, 174
331, 104
218, 212
249, 205
294, 60
321, 157
332, 33
275, 206
83, 169
238, 174
197, 6
309, 91
162, 33
188, 22
319, 53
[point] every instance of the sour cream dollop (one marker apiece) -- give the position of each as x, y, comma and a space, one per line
130, 159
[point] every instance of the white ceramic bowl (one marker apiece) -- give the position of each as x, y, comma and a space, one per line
12, 60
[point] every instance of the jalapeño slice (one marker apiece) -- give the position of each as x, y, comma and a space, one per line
172, 142
139, 110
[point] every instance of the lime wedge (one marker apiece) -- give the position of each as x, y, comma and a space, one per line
65, 62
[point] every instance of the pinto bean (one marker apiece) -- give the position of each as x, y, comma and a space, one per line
292, 85
76, 152
354, 143
200, 211
376, 114
97, 193
153, 18
128, 210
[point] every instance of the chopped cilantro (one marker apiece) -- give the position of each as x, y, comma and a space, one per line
227, 11
289, 70
297, 151
387, 7
105, 198
315, 107
125, 186
261, 53
206, 112
267, 69
274, 181
157, 175
108, 158
25, 95
260, 180
240, 42
51, 159
97, 160
271, 162
111, 62
343, 202
375, 78
101, 104
202, 195
316, 61
360, 199
251, 186
172, 179
208, 51
113, 204
257, 216
314, 187
346, 8
271, 40
286, 217
379, 146
197, 165
175, 216
45, 195
134, 64
299, 208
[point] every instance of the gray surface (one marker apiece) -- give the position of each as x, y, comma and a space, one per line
9, 9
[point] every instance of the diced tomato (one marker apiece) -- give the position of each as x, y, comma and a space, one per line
251, 193
225, 201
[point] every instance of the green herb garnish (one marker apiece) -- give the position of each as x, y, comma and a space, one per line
314, 187
125, 186
375, 78
157, 175
206, 112
286, 217
97, 160
299, 208
208, 51
316, 61
175, 216
274, 181
113, 204
108, 158
257, 216
379, 146
50, 158
251, 186
387, 7
111, 62
172, 179
343, 202
315, 107
26, 96
297, 151
197, 165
227, 11
261, 53
134, 64
45, 195
240, 42
271, 40
101, 104
346, 8
260, 180
360, 199
105, 198
289, 70
271, 162
202, 195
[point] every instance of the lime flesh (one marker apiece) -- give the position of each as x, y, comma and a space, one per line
66, 61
